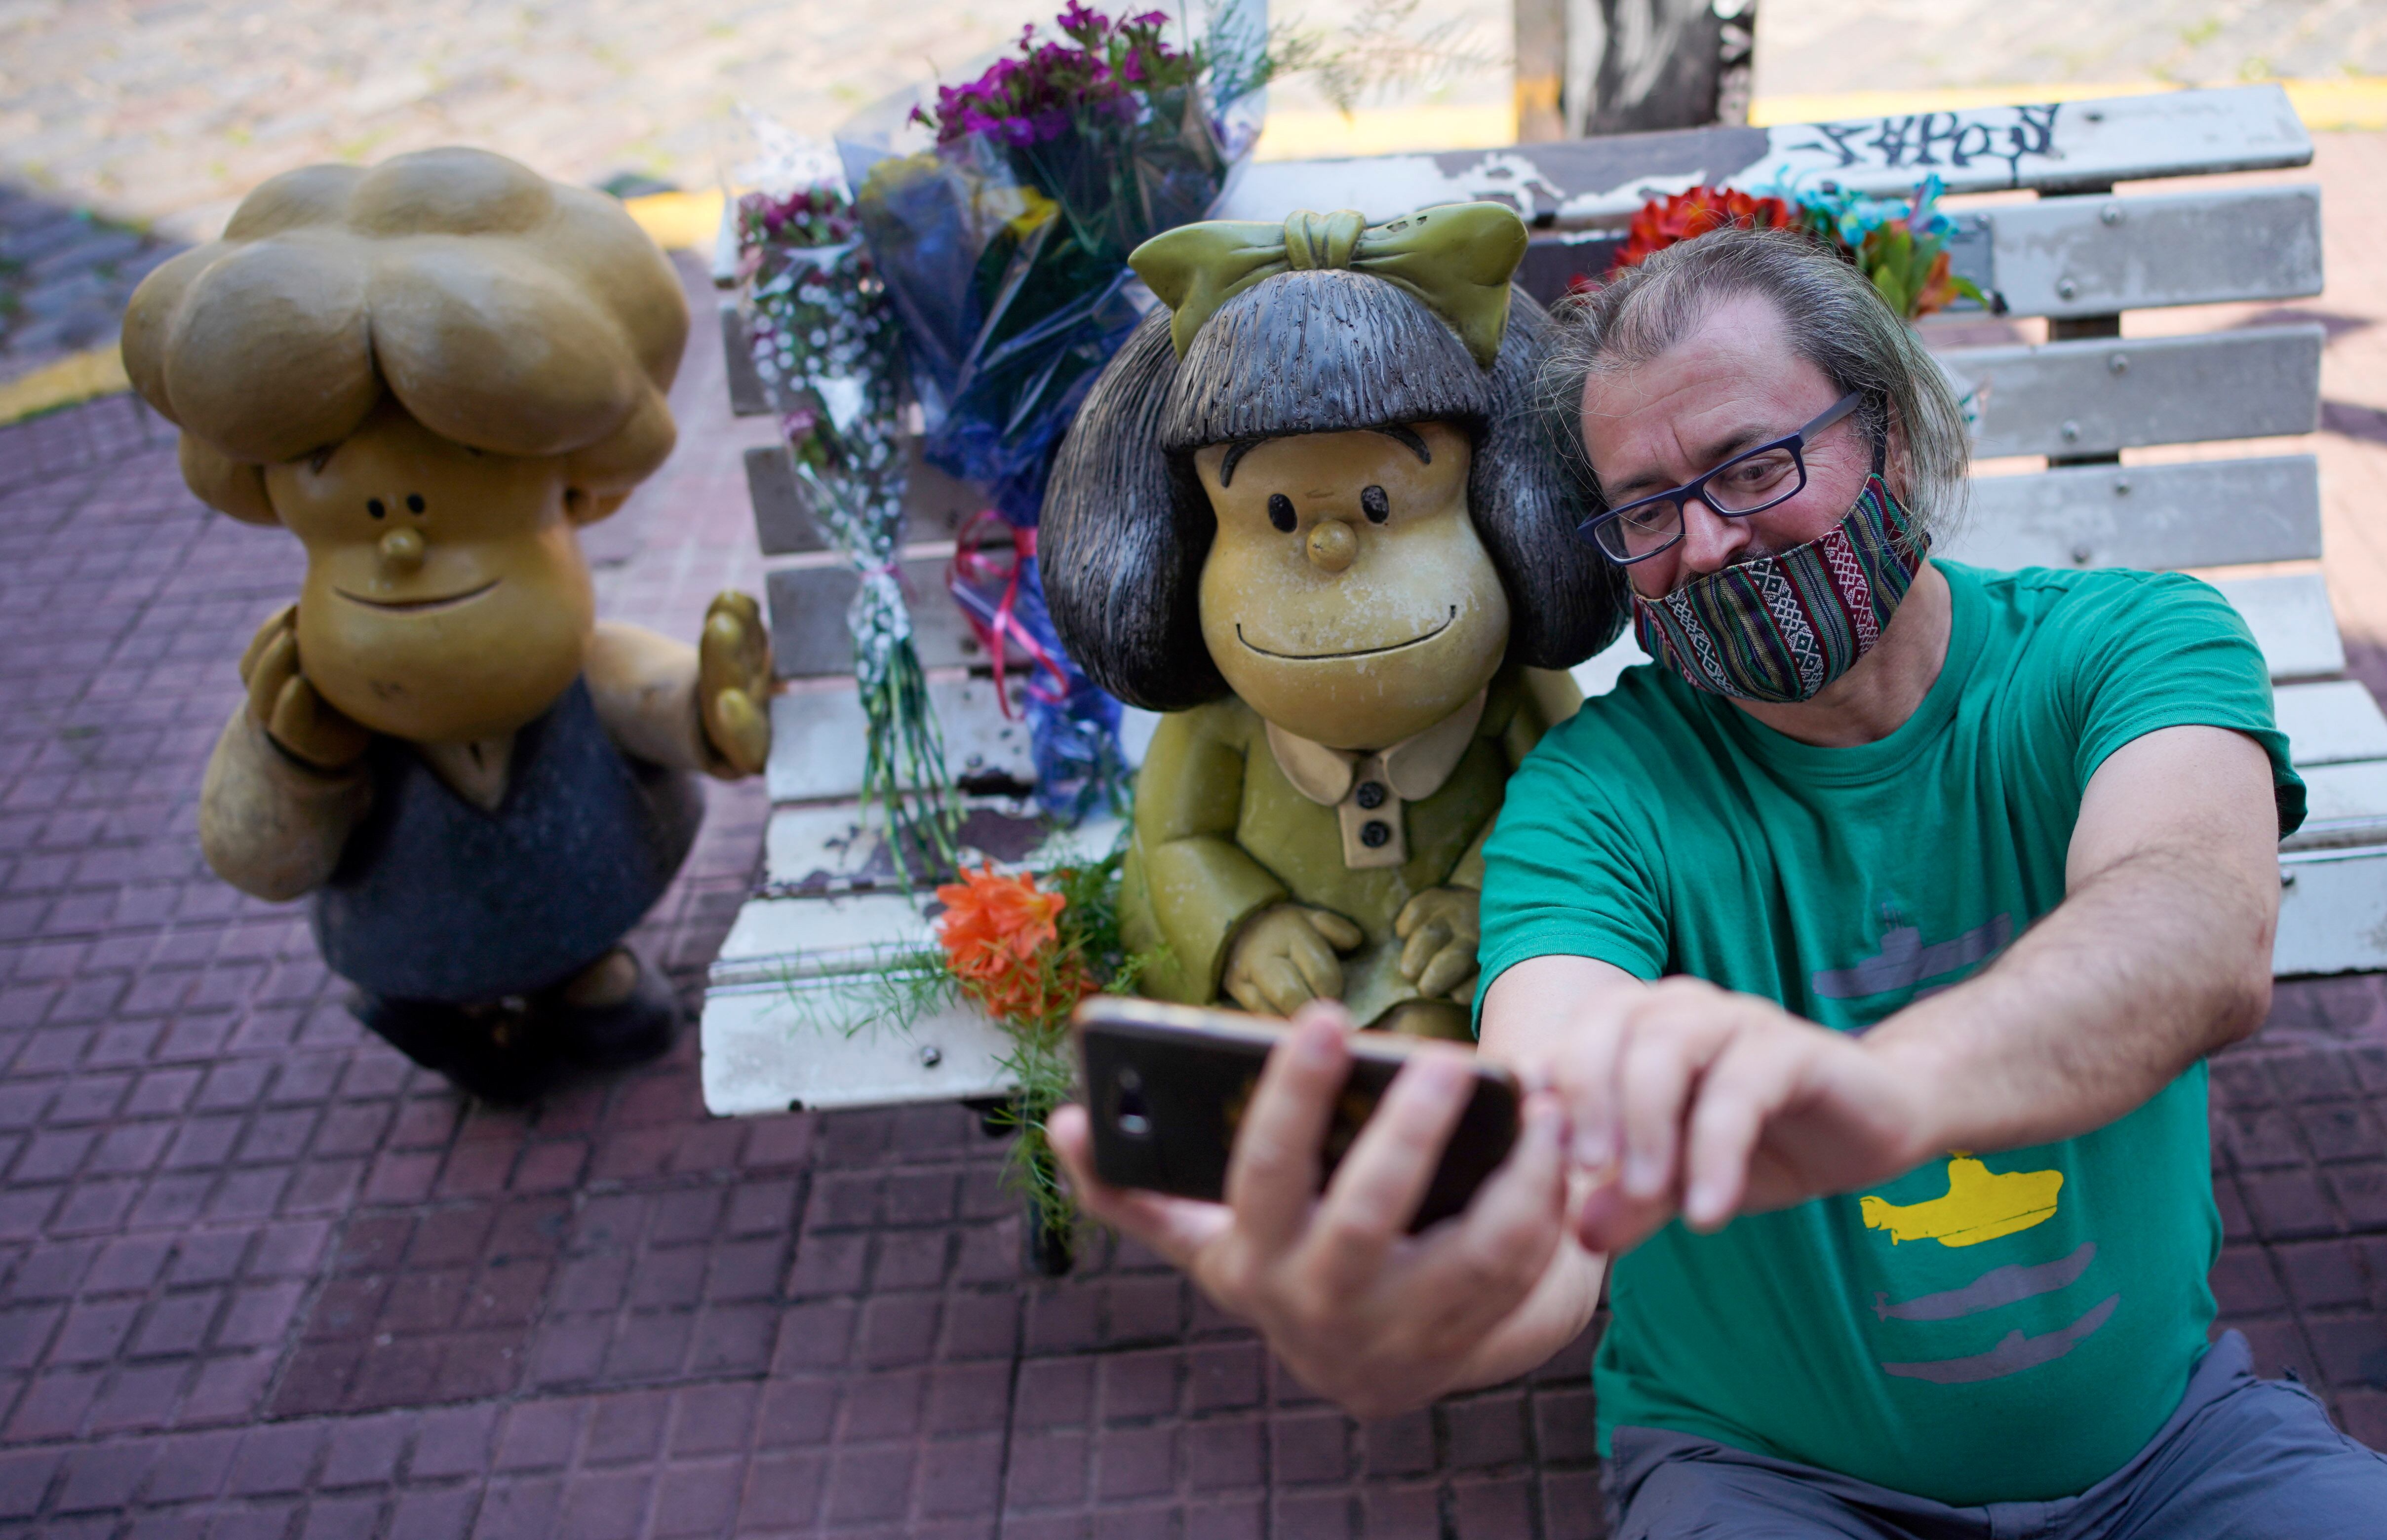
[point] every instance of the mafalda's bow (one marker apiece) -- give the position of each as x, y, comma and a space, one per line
1458, 258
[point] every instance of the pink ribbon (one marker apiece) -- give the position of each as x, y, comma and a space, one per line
972, 567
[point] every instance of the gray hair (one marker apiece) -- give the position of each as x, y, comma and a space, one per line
1836, 320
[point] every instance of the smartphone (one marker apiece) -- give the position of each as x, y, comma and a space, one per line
1166, 1086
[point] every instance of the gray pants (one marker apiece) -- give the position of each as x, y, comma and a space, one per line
2243, 1458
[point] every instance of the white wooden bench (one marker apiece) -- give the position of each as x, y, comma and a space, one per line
2080, 256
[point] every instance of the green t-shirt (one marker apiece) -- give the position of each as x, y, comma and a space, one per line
2011, 1328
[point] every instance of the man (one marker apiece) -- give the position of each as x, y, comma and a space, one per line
1865, 950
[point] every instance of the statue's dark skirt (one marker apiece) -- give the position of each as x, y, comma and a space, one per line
436, 900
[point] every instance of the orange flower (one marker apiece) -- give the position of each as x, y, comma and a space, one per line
1002, 941
1669, 221
990, 920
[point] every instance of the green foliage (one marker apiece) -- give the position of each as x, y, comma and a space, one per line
1040, 1059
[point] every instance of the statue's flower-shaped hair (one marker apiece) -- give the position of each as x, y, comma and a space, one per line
500, 310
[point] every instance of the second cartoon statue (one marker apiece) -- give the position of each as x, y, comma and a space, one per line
1311, 512
434, 373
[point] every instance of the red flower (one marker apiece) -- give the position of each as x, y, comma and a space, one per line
1670, 221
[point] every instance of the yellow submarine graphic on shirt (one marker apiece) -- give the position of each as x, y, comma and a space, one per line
1980, 1204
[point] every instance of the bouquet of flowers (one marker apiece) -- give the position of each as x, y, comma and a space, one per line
828, 346
1665, 222
1003, 238
1026, 952
1900, 245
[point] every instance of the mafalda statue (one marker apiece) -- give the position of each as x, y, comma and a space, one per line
1310, 512
433, 372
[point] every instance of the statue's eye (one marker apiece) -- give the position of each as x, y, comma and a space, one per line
414, 502
1373, 503
1281, 512
373, 507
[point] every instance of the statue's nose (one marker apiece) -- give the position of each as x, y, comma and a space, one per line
401, 550
1332, 544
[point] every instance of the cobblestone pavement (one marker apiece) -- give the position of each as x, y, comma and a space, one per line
259, 1277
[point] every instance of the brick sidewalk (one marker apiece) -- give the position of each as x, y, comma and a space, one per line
259, 1277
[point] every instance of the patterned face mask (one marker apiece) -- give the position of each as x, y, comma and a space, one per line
1783, 627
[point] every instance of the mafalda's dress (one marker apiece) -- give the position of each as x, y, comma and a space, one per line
1359, 834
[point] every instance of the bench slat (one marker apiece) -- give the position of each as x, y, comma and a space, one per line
817, 742
776, 1050
774, 940
809, 639
1581, 182
748, 396
2074, 256
2344, 805
2292, 622
934, 505
2334, 722
2104, 395
2200, 513
2332, 911
817, 737
824, 847
2095, 255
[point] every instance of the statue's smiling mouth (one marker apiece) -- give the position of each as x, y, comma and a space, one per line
416, 606
1420, 641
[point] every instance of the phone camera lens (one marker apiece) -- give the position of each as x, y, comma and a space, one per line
1126, 1106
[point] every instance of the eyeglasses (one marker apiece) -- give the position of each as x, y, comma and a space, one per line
1749, 483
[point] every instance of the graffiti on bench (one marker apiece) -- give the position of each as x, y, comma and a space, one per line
1590, 184
1921, 141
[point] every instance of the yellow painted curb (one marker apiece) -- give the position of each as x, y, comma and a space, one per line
2353, 103
678, 222
82, 378
1325, 135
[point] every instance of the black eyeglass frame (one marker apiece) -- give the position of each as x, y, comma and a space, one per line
1681, 497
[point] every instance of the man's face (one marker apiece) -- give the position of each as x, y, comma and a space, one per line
1733, 383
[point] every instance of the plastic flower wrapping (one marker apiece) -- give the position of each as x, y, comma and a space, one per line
828, 347
1001, 216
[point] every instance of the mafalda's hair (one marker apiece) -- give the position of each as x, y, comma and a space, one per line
1127, 526
499, 309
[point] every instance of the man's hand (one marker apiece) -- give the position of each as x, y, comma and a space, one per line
1439, 929
733, 682
1377, 1319
300, 722
1283, 958
1690, 1098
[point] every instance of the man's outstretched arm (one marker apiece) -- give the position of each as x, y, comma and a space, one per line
1378, 1320
1709, 1103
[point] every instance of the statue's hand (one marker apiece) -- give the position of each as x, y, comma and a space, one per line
733, 682
1284, 957
1439, 929
301, 723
